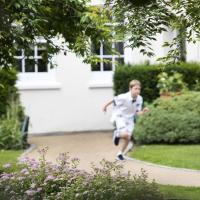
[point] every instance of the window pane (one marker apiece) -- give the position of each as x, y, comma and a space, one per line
107, 49
107, 64
119, 47
19, 52
96, 67
42, 66
29, 65
119, 61
29, 52
18, 64
96, 49
41, 52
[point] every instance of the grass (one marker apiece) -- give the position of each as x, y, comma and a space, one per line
180, 192
9, 156
183, 156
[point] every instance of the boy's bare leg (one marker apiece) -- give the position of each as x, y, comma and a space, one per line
130, 145
126, 138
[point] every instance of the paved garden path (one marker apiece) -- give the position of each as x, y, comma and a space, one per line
93, 147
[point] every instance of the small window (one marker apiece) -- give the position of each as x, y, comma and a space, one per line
108, 61
32, 60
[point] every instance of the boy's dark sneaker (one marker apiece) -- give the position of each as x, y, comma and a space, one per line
120, 157
116, 140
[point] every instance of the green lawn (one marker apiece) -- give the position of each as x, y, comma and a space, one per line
9, 156
183, 156
180, 192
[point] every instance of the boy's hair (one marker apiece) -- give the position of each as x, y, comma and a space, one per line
134, 83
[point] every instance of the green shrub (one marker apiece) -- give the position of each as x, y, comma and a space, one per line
174, 120
10, 125
44, 180
8, 90
148, 75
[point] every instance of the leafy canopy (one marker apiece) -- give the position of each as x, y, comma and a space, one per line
75, 21
145, 19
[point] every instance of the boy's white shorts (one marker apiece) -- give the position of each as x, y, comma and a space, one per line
123, 125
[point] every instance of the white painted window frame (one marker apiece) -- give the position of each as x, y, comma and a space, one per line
112, 57
37, 80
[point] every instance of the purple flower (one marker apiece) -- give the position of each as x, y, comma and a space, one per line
49, 178
30, 192
20, 178
43, 151
8, 165
23, 160
5, 176
39, 189
25, 171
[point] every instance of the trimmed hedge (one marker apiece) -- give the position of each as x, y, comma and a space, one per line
148, 75
174, 120
8, 79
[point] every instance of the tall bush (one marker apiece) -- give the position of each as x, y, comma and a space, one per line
10, 128
11, 111
8, 77
174, 120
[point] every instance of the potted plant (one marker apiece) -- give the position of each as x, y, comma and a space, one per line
170, 85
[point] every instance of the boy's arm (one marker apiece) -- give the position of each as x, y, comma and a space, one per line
105, 107
144, 110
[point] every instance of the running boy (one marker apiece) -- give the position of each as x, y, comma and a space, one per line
126, 107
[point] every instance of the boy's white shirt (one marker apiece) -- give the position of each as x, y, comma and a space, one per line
124, 107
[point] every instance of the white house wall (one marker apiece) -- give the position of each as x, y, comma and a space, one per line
70, 97
73, 106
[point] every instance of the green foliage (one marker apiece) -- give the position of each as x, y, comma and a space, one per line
8, 79
146, 19
174, 120
44, 180
10, 125
74, 22
196, 86
138, 3
148, 75
139, 28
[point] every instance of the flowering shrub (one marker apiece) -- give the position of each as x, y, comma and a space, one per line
170, 83
47, 181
